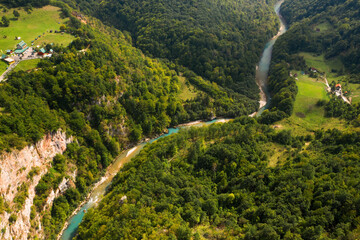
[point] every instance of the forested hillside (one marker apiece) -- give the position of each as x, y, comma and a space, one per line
27, 3
219, 40
324, 29
106, 94
336, 24
217, 183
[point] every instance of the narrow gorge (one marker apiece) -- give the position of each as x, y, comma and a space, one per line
24, 169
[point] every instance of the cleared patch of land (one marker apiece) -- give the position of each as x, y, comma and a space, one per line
56, 38
322, 64
307, 116
323, 27
3, 67
30, 26
277, 153
26, 65
332, 68
187, 91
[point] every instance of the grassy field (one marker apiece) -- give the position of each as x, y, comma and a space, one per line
29, 26
55, 38
324, 27
326, 65
3, 66
277, 153
27, 65
322, 64
307, 116
187, 92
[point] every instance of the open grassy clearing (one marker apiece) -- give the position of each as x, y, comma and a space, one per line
323, 27
3, 67
56, 38
277, 153
187, 91
209, 232
307, 116
29, 26
327, 66
322, 64
355, 92
27, 65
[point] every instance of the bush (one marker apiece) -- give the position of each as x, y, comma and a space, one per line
12, 218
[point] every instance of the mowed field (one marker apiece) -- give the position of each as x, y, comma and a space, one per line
30, 26
26, 65
326, 65
3, 66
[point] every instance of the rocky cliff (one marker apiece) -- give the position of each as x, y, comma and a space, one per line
15, 168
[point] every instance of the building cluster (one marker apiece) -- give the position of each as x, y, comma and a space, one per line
21, 48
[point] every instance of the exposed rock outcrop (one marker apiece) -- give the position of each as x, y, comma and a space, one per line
15, 167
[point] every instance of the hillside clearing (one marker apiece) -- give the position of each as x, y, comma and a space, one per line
30, 26
26, 65
307, 116
187, 91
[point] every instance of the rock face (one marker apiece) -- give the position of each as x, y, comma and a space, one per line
15, 167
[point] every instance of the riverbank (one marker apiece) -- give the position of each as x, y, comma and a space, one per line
261, 78
262, 69
99, 188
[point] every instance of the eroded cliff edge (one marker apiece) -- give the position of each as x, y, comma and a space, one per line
15, 169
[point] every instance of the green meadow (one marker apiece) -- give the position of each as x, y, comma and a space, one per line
3, 67
27, 65
187, 91
324, 27
30, 26
307, 116
327, 66
56, 38
322, 64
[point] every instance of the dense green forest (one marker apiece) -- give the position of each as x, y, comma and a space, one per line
215, 182
27, 3
106, 94
283, 92
320, 27
338, 36
218, 40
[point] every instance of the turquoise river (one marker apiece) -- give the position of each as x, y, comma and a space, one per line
100, 188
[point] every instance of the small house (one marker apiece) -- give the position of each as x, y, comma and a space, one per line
9, 51
9, 60
21, 45
3, 56
313, 69
42, 51
20, 51
51, 51
338, 86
